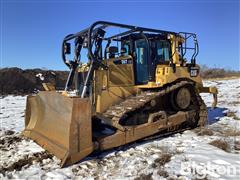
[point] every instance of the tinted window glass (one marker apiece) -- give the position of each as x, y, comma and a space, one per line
126, 48
141, 62
162, 51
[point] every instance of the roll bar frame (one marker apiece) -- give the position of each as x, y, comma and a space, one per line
94, 61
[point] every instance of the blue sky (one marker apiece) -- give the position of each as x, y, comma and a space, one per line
32, 31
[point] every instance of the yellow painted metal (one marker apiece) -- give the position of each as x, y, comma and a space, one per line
165, 74
60, 124
114, 85
48, 87
175, 42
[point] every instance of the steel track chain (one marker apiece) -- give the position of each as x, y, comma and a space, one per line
134, 103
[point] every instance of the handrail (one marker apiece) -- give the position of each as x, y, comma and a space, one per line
195, 48
87, 34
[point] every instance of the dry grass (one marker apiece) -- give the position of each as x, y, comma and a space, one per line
237, 145
163, 159
160, 162
205, 131
234, 103
220, 144
163, 173
233, 115
26, 160
210, 73
144, 177
231, 132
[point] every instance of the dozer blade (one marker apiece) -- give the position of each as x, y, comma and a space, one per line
60, 124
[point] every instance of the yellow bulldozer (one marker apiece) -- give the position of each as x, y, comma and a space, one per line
125, 83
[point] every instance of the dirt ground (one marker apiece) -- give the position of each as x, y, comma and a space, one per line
21, 82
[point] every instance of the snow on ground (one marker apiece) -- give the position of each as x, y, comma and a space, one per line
12, 112
186, 155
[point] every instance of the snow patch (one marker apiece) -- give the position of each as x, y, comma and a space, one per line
190, 153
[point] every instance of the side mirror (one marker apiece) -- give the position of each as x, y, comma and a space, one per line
67, 48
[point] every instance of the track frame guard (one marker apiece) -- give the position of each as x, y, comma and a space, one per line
60, 124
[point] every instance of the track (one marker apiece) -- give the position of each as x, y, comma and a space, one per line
140, 106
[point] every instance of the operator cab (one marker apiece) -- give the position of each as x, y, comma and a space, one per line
147, 50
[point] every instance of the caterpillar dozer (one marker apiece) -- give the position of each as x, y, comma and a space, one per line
125, 83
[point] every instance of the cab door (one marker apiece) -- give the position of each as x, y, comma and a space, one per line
141, 62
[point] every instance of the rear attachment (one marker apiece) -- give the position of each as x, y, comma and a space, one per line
61, 125
211, 90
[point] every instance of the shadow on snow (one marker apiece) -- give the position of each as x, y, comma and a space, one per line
215, 114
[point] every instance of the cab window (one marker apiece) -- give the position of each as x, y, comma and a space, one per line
141, 61
125, 49
162, 51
